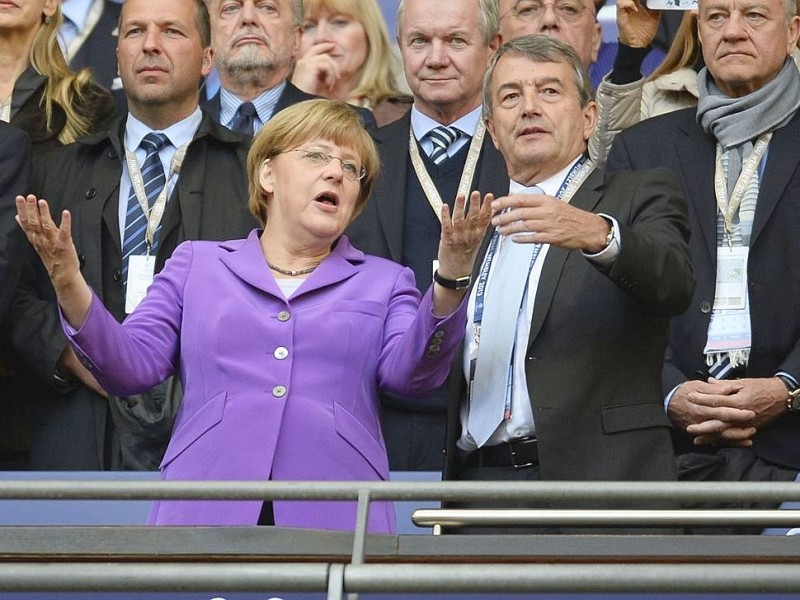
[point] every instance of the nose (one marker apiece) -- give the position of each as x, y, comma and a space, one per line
734, 26
322, 32
247, 14
152, 42
333, 170
548, 20
437, 54
530, 102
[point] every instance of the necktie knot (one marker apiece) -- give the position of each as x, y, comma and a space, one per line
442, 138
153, 142
244, 119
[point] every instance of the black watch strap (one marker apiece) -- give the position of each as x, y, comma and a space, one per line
452, 284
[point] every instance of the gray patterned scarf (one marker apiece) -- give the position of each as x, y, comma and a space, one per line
736, 122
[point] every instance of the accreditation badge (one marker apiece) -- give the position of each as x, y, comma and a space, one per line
141, 270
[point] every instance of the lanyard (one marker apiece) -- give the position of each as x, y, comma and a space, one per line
153, 215
575, 178
729, 206
428, 187
92, 17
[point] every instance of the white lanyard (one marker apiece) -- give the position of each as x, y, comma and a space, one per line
428, 187
153, 215
92, 17
729, 207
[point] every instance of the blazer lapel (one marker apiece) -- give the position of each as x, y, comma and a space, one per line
697, 156
782, 162
586, 198
390, 201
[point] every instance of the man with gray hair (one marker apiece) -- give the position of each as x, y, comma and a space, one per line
255, 43
732, 378
567, 318
436, 151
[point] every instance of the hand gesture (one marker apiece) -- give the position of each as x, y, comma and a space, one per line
543, 219
637, 25
316, 72
462, 234
55, 248
53, 244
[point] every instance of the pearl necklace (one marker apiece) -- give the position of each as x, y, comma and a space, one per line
291, 273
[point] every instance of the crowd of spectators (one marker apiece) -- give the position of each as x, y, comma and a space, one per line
635, 289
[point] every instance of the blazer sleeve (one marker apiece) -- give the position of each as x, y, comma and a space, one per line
133, 356
418, 346
654, 264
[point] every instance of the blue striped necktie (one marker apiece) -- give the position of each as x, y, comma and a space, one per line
244, 119
442, 138
134, 240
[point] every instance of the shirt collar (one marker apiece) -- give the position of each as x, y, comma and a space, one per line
422, 124
264, 103
179, 133
76, 11
549, 186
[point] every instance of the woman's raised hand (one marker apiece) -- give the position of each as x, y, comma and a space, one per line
52, 243
462, 234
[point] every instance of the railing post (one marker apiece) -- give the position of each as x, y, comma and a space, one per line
360, 533
335, 581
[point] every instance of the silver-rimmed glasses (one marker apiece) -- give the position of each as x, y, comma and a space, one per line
351, 168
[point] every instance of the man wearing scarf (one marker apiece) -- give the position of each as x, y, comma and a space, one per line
733, 366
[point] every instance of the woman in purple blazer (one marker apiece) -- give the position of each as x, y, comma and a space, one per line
282, 340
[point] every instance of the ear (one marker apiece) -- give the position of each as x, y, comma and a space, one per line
794, 32
597, 38
495, 43
208, 61
266, 177
298, 37
490, 129
589, 119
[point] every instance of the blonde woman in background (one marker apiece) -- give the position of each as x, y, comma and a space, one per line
38, 92
345, 55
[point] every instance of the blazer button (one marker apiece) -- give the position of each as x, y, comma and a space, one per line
90, 193
117, 275
439, 335
280, 353
705, 307
284, 315
112, 154
279, 391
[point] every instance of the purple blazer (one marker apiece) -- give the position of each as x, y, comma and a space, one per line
274, 388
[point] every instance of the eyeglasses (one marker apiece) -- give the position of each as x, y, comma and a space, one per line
532, 11
350, 168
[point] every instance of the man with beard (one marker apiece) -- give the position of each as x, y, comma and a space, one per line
255, 43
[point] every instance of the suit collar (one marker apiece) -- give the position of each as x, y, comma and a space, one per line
245, 259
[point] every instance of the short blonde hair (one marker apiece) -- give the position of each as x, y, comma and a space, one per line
376, 80
329, 120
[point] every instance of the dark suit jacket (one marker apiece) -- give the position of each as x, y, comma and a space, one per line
99, 51
209, 203
15, 174
597, 339
773, 263
290, 95
378, 229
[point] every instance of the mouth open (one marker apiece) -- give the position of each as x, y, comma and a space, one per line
327, 199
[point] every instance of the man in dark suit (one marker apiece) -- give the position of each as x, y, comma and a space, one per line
164, 50
254, 51
567, 319
445, 48
731, 378
88, 36
15, 173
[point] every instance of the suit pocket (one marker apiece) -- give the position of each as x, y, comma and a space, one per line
366, 307
361, 439
204, 418
627, 417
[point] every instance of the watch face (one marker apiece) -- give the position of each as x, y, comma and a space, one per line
794, 405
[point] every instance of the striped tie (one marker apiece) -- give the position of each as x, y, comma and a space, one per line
442, 138
135, 234
244, 119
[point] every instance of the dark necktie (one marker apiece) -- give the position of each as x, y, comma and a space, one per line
134, 241
245, 118
442, 138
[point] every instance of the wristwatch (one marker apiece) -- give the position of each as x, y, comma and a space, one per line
793, 401
452, 284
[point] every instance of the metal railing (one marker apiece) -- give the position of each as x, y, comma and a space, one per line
389, 572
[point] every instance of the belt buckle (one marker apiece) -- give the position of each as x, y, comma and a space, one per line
513, 456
